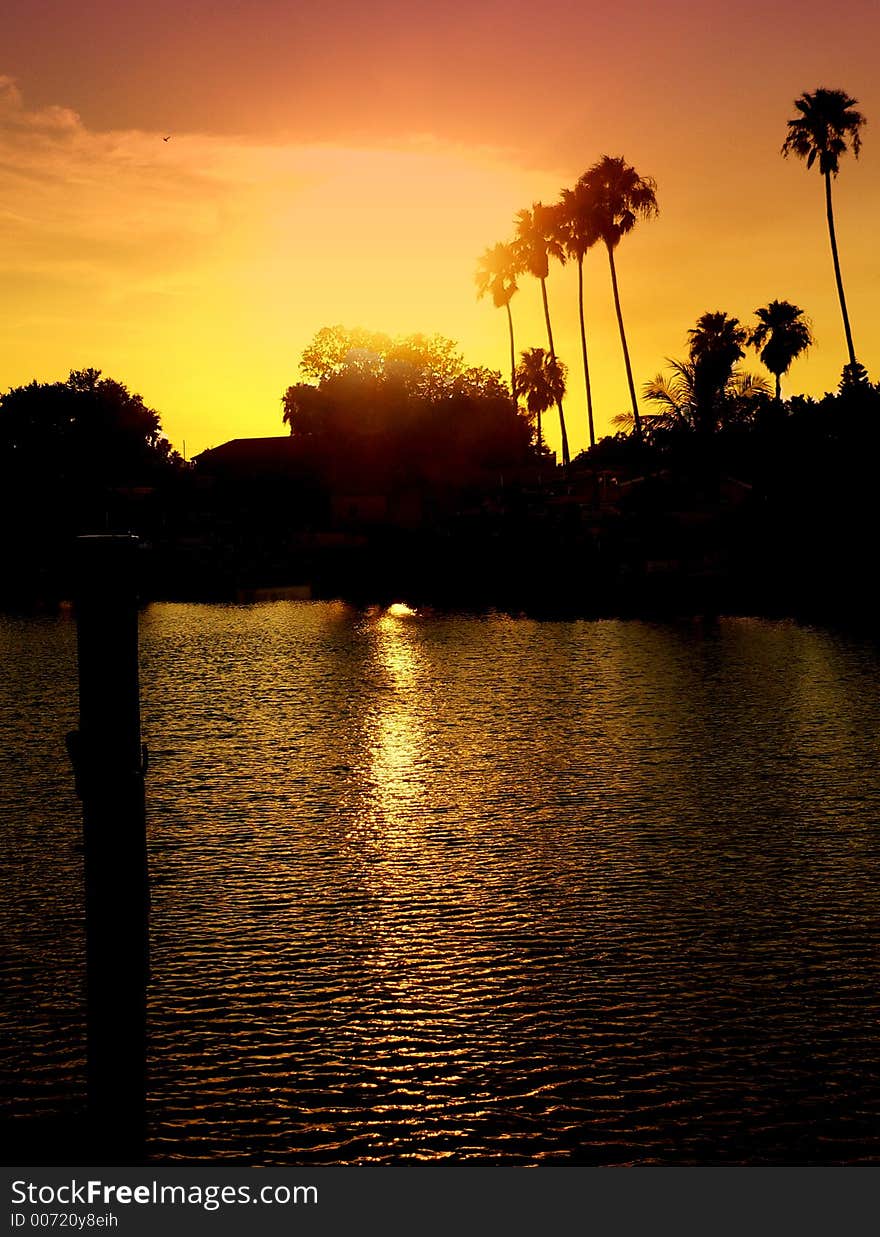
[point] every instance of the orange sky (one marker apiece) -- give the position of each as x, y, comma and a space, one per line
350, 163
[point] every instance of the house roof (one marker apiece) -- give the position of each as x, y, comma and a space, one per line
249, 455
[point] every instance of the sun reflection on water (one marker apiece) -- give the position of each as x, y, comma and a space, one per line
396, 726
432, 888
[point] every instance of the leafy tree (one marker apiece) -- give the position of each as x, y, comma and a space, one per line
418, 363
83, 455
579, 231
423, 364
496, 274
85, 431
338, 348
409, 408
620, 197
781, 336
537, 241
541, 378
825, 128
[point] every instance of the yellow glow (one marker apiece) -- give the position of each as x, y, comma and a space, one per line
197, 270
399, 609
396, 725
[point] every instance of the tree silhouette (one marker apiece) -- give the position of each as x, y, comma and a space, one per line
83, 455
88, 430
621, 197
420, 364
853, 378
675, 398
336, 349
579, 231
828, 125
781, 335
541, 379
405, 410
537, 240
716, 343
496, 273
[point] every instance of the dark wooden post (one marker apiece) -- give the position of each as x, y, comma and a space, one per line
110, 762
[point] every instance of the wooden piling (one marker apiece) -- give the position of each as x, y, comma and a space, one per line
110, 762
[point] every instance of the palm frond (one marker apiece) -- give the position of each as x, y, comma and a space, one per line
827, 126
620, 197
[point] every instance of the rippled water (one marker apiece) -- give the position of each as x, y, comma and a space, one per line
435, 888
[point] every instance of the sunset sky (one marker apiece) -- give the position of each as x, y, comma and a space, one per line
343, 162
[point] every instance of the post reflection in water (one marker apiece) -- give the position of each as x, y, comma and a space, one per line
433, 888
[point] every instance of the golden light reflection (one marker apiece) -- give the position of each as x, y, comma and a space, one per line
396, 757
392, 809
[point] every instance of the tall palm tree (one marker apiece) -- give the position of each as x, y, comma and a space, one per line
827, 126
781, 335
579, 232
537, 241
621, 197
541, 378
716, 343
496, 273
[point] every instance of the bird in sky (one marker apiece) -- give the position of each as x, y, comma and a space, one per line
167, 139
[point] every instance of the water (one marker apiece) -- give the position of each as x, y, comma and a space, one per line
476, 890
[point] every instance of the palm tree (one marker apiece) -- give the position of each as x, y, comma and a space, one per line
579, 232
716, 343
496, 273
828, 125
781, 335
675, 398
537, 241
621, 197
541, 378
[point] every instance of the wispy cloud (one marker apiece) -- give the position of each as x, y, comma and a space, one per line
223, 255
72, 200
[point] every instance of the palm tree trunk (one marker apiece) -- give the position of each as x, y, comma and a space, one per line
584, 349
512, 354
637, 421
829, 212
779, 388
566, 458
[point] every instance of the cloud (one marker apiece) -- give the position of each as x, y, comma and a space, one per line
75, 203
106, 206
52, 123
198, 268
